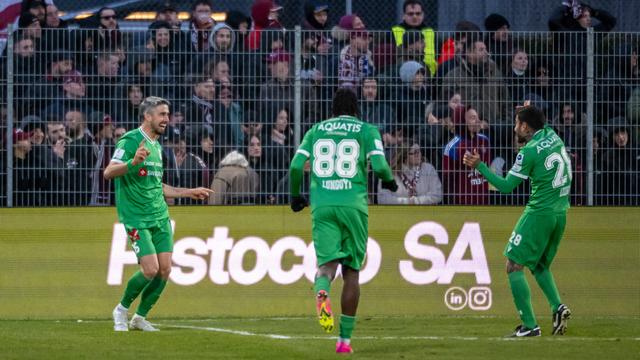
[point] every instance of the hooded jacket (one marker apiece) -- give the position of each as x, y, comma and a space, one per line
235, 182
310, 22
212, 39
260, 16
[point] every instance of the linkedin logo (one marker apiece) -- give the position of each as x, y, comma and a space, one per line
478, 298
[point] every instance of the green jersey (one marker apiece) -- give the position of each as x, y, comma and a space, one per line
139, 197
338, 150
544, 160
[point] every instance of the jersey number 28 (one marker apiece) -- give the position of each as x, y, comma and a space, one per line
341, 159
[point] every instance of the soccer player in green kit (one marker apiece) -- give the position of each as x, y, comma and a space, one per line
338, 150
535, 239
136, 166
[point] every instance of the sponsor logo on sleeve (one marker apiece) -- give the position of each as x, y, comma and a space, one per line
118, 154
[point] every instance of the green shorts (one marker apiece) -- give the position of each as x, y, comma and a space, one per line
152, 240
535, 239
340, 233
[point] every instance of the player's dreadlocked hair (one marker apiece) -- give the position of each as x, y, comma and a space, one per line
532, 116
345, 102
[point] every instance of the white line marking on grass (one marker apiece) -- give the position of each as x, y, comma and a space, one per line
228, 331
437, 338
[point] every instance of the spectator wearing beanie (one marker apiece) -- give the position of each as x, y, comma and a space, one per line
341, 32
413, 19
412, 110
498, 40
355, 62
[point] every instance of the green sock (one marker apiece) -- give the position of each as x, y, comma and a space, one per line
322, 283
347, 323
150, 295
134, 287
548, 286
522, 298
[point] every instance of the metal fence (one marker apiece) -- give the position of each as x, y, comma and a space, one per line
241, 103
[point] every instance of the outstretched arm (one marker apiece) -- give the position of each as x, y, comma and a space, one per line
504, 185
195, 193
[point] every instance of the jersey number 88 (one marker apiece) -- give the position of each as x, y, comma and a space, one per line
340, 159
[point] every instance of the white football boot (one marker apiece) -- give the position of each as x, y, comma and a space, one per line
140, 323
120, 319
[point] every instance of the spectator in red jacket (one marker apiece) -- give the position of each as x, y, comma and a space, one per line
462, 185
265, 16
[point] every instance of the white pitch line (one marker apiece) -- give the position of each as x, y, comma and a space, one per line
228, 331
438, 338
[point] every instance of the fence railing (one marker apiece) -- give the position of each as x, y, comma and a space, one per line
241, 102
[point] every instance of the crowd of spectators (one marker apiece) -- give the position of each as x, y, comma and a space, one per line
234, 98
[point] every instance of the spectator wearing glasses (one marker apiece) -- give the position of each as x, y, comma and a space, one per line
413, 19
417, 179
108, 35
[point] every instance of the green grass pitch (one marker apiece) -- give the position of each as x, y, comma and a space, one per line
438, 337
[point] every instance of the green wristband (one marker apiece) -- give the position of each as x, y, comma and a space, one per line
130, 164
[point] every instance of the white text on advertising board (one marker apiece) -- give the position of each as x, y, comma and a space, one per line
195, 259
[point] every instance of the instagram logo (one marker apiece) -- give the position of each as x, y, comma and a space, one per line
478, 298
